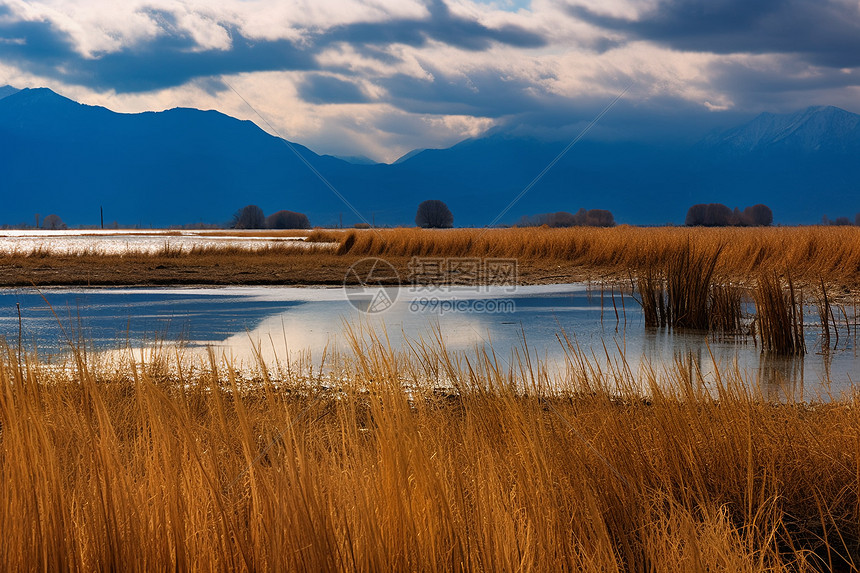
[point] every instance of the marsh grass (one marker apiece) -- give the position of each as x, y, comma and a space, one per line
133, 464
685, 294
652, 298
689, 282
826, 318
810, 252
726, 309
779, 316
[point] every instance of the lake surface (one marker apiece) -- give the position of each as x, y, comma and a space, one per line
288, 320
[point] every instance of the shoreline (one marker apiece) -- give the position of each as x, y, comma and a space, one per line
808, 255
302, 270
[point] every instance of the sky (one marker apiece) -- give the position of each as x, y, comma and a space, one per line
378, 78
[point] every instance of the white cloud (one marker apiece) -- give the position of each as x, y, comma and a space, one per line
579, 62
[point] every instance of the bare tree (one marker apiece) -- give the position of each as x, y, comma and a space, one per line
758, 216
718, 215
249, 217
53, 223
558, 219
857, 219
599, 218
696, 215
709, 215
434, 214
287, 220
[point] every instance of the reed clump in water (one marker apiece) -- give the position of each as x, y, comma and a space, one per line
683, 293
652, 298
124, 465
689, 281
779, 316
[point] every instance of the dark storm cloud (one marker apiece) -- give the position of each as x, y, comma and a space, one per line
657, 120
785, 84
173, 57
483, 93
36, 46
322, 89
161, 64
441, 26
168, 60
823, 32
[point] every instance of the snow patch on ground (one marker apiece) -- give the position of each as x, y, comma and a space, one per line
121, 242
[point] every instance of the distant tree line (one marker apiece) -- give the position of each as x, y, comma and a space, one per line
841, 221
719, 215
252, 217
582, 218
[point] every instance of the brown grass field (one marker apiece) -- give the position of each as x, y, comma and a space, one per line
130, 465
808, 252
544, 256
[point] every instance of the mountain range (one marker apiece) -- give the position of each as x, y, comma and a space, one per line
185, 166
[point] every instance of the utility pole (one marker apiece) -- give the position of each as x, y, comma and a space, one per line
102, 214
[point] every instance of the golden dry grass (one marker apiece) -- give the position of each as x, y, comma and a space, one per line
809, 252
125, 465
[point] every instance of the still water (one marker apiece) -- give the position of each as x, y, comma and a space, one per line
286, 320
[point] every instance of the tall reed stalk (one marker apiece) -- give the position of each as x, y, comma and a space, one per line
779, 316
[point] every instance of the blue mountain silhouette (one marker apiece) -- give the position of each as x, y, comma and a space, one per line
185, 166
